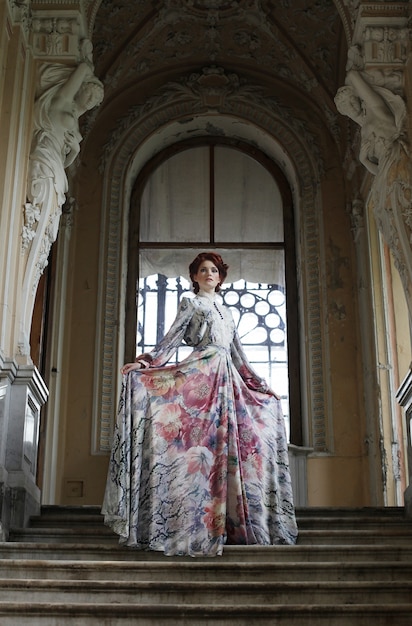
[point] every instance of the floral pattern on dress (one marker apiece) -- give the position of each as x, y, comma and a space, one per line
199, 456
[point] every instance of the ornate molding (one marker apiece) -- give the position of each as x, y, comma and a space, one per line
32, 214
56, 36
382, 33
20, 12
210, 89
57, 29
348, 11
53, 28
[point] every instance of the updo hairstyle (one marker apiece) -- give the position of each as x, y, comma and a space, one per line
216, 259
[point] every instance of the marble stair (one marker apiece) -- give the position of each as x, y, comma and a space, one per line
350, 567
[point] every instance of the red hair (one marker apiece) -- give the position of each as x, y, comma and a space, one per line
216, 259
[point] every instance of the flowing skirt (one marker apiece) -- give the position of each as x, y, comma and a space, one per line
198, 461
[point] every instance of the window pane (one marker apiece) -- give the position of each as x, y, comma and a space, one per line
158, 300
259, 310
175, 200
248, 205
255, 266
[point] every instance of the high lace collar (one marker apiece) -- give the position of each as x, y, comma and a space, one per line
206, 294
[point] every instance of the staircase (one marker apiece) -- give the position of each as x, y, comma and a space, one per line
350, 567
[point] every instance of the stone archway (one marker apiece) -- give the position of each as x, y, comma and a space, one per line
138, 137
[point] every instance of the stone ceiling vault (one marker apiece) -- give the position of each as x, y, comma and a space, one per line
293, 50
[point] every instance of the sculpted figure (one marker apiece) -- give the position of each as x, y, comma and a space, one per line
381, 115
379, 112
65, 94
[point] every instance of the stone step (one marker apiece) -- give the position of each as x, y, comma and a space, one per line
95, 523
337, 511
353, 522
204, 570
68, 568
342, 512
205, 593
72, 520
316, 525
381, 535
77, 534
61, 510
63, 614
86, 550
69, 534
57, 514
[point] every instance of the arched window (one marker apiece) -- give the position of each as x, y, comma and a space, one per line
215, 195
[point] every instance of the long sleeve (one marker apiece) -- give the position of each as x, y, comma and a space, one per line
241, 362
171, 341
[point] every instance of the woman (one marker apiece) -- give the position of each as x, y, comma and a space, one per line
200, 456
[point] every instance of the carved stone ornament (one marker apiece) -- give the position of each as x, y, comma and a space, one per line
384, 44
357, 217
211, 89
31, 218
382, 30
59, 30
63, 95
20, 11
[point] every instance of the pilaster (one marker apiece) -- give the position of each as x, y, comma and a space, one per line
370, 398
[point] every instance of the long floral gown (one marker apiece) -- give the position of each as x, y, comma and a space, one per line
199, 456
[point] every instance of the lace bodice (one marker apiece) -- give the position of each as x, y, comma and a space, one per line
211, 323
